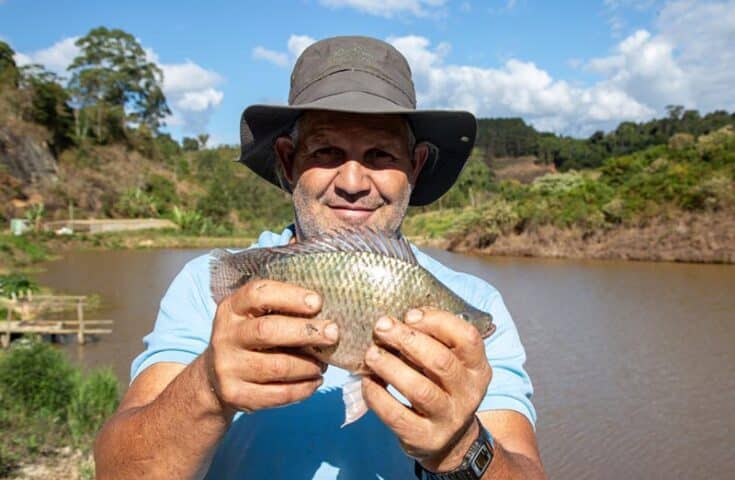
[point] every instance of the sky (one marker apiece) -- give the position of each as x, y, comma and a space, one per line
571, 67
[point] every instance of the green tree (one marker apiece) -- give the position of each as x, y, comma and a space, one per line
189, 144
112, 79
8, 69
49, 105
203, 138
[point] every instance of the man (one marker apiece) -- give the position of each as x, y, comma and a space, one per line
202, 403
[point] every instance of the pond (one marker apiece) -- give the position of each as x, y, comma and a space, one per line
633, 363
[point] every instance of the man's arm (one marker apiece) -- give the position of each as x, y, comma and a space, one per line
172, 418
516, 450
167, 426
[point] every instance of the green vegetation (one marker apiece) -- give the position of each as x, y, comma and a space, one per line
660, 181
46, 403
511, 137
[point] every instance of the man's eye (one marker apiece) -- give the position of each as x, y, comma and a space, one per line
380, 156
327, 154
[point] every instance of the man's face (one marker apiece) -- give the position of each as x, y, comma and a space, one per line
350, 170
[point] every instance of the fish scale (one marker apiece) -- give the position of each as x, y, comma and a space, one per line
361, 275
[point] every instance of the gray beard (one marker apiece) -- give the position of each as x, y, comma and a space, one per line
309, 226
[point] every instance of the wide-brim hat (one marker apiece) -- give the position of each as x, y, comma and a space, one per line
360, 75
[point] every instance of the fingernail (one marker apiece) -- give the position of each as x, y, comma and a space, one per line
372, 354
312, 300
414, 315
383, 324
331, 331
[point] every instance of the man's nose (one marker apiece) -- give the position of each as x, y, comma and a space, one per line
352, 178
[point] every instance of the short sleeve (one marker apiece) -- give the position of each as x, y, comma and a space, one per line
510, 387
184, 322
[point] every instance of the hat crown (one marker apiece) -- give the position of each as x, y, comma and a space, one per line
340, 64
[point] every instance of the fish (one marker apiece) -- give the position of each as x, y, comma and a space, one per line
361, 274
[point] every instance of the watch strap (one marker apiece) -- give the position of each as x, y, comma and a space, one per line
474, 464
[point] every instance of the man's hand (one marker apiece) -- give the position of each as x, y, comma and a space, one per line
442, 370
248, 361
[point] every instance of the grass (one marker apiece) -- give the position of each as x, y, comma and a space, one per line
46, 403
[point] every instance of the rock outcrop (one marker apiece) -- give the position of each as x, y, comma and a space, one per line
25, 157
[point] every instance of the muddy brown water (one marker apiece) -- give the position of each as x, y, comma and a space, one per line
633, 363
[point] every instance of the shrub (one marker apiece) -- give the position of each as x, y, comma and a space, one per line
95, 398
162, 192
15, 284
136, 203
37, 377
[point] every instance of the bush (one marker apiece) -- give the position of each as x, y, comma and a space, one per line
136, 203
162, 192
16, 284
37, 377
95, 398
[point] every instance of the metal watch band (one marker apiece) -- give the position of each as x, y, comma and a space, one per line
475, 463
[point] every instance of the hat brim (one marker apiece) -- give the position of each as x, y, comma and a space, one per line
453, 132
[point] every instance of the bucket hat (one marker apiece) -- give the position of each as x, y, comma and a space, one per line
360, 75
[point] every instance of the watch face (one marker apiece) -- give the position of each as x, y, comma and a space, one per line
481, 460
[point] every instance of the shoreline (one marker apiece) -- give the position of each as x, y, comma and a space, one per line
690, 239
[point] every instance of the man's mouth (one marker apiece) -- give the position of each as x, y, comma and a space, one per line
351, 213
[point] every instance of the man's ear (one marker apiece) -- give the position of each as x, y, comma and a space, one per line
420, 155
285, 153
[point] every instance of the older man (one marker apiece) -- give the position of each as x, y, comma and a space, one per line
202, 404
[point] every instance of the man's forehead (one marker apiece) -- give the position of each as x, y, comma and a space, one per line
324, 122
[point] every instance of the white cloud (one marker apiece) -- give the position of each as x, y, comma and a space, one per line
189, 88
295, 45
644, 67
55, 58
381, 8
276, 58
703, 37
689, 61
518, 88
616, 10
191, 93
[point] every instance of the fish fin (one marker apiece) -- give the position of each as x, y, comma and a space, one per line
229, 271
354, 239
355, 406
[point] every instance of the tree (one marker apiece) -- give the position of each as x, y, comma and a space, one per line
8, 69
674, 111
189, 144
49, 105
112, 77
203, 138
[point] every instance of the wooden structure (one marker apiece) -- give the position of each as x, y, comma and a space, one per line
30, 307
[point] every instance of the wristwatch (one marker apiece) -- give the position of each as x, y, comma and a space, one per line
474, 464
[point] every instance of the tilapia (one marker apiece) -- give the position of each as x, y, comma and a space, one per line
361, 274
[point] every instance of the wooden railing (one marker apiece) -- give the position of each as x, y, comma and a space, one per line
31, 308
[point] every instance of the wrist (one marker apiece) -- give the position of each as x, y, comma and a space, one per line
208, 396
453, 455
473, 466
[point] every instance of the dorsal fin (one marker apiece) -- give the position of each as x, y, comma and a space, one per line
228, 271
352, 239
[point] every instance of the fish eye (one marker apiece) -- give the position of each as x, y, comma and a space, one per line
464, 316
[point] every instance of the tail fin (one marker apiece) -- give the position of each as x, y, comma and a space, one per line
228, 271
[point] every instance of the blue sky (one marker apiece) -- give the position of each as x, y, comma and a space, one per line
566, 66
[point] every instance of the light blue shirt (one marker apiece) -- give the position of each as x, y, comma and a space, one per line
304, 440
